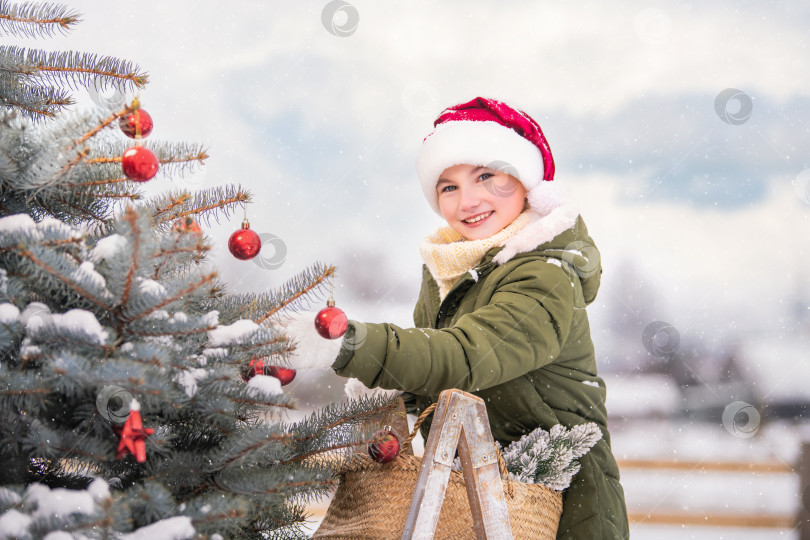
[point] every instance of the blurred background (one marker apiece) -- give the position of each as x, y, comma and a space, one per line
681, 128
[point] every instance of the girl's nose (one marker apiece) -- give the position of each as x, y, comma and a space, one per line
468, 199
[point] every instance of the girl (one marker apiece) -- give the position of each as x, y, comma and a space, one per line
501, 313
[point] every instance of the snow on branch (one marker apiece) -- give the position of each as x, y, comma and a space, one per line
549, 457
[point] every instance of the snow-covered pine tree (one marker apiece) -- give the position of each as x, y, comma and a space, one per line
105, 307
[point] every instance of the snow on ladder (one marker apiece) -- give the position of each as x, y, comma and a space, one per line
460, 422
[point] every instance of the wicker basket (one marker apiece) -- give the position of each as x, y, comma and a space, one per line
373, 499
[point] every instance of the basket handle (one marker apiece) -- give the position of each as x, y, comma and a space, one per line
501, 463
417, 424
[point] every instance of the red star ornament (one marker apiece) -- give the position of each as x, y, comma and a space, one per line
133, 436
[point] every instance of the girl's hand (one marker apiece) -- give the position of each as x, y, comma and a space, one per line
311, 350
314, 352
354, 389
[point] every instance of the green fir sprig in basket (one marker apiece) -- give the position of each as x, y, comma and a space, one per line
550, 457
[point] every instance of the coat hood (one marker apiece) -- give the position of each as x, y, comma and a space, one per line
560, 233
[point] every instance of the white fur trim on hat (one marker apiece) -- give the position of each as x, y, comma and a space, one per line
476, 143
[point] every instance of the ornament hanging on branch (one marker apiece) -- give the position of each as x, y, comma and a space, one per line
138, 162
284, 375
257, 366
133, 435
137, 124
244, 244
253, 368
385, 446
331, 322
187, 225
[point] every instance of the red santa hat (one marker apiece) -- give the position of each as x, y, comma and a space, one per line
492, 134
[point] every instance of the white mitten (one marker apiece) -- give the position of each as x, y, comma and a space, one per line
355, 389
312, 351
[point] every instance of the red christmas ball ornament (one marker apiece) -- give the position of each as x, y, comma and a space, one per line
257, 366
385, 447
331, 322
284, 375
187, 225
244, 243
137, 124
253, 368
139, 164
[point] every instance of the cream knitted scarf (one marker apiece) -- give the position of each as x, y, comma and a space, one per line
448, 255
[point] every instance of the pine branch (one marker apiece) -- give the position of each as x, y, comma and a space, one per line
86, 212
127, 195
307, 479
335, 415
353, 443
132, 219
339, 429
73, 68
174, 202
35, 20
188, 158
549, 457
173, 333
71, 284
177, 156
175, 205
180, 294
292, 298
36, 102
105, 182
298, 293
103, 124
179, 247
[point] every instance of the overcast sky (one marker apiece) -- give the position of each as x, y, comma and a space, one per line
705, 190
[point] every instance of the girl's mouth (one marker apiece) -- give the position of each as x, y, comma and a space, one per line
476, 220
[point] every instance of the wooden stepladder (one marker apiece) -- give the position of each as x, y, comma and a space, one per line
460, 422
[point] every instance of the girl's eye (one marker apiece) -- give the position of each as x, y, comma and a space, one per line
445, 188
485, 176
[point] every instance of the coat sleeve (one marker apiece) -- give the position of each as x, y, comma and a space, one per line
522, 328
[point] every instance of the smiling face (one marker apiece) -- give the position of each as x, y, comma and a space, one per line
477, 201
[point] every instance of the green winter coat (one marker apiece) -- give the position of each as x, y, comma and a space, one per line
515, 334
